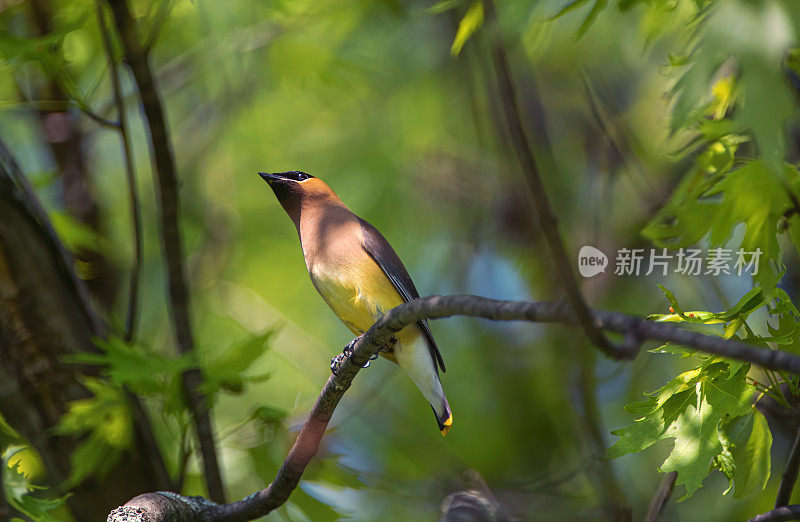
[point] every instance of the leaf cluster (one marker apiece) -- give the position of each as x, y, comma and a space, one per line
709, 412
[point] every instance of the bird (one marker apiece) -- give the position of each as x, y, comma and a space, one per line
360, 276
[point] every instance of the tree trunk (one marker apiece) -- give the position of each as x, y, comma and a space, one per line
44, 316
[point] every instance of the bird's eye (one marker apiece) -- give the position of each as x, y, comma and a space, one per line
296, 175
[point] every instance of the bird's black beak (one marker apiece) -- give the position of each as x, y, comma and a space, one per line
269, 177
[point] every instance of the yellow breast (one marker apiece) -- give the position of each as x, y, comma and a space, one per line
357, 291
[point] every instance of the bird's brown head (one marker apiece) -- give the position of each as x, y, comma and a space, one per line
296, 189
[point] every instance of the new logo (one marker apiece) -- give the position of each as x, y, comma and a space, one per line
591, 261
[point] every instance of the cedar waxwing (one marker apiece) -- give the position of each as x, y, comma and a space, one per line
359, 275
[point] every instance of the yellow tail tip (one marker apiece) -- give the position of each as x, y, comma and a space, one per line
446, 425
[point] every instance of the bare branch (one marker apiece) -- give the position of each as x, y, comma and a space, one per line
471, 504
789, 477
661, 496
476, 503
161, 148
615, 504
544, 210
379, 335
130, 171
103, 122
781, 514
61, 105
5, 510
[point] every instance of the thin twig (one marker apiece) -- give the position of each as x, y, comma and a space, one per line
615, 504
104, 122
144, 428
158, 23
661, 496
161, 150
544, 210
130, 171
183, 460
789, 477
5, 510
157, 507
60, 105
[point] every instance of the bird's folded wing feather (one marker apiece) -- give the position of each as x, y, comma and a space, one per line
384, 255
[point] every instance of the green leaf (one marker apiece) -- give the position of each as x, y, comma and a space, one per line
671, 298
732, 327
38, 47
625, 5
686, 218
724, 461
690, 409
443, 6
751, 301
646, 431
787, 332
18, 490
44, 50
758, 209
227, 370
751, 453
680, 351
76, 234
598, 6
567, 7
695, 431
136, 366
469, 25
268, 415
105, 420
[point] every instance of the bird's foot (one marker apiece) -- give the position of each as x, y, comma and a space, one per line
347, 353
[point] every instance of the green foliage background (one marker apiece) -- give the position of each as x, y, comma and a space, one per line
672, 124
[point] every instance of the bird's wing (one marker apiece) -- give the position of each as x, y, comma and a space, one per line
384, 255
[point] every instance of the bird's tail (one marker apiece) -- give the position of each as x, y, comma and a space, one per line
445, 420
414, 357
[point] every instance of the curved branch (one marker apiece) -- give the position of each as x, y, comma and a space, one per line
379, 335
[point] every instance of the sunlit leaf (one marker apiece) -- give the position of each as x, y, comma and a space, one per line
21, 494
105, 420
690, 410
567, 7
598, 6
751, 452
468, 26
443, 6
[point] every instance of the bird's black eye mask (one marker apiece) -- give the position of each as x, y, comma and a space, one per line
296, 175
